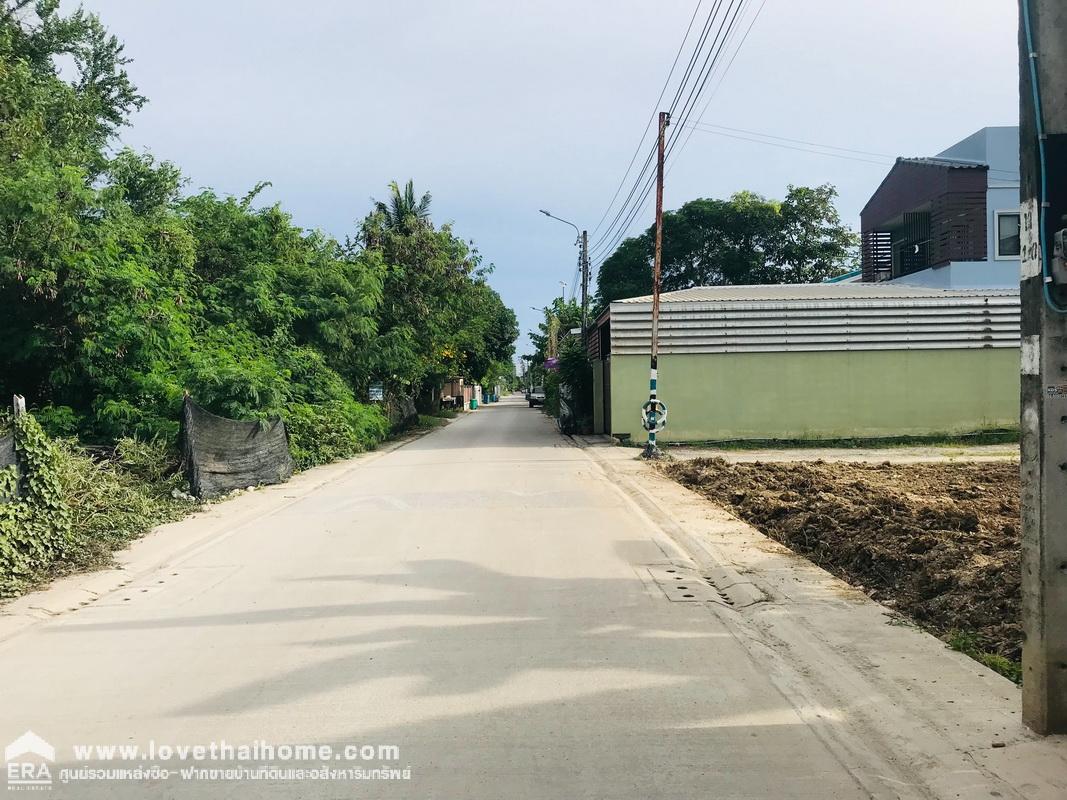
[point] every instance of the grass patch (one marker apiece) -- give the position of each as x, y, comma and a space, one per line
430, 421
967, 642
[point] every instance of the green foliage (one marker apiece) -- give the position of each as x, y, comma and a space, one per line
559, 318
116, 500
35, 529
322, 433
59, 421
121, 294
74, 511
439, 317
747, 239
576, 373
551, 340
551, 384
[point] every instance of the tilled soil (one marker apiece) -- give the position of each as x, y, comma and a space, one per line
937, 542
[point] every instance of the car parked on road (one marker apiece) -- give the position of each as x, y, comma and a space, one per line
535, 396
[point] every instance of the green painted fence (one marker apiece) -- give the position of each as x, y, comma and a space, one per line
835, 394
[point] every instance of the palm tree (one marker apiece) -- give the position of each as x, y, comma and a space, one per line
403, 211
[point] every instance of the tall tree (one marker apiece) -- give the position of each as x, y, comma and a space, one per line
439, 317
747, 239
403, 211
119, 294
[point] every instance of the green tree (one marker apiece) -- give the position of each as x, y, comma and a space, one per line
560, 317
120, 294
439, 317
747, 239
403, 211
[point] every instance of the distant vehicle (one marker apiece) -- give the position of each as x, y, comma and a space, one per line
535, 396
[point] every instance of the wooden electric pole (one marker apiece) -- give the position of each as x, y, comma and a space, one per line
1043, 289
654, 409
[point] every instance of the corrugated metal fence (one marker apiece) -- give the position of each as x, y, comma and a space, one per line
949, 320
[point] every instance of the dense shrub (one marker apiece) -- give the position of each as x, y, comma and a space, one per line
322, 433
35, 529
75, 510
576, 373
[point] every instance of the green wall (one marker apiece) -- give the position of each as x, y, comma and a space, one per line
598, 395
801, 395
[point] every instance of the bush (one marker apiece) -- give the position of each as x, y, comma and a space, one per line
35, 529
74, 510
576, 373
551, 387
59, 421
319, 434
116, 500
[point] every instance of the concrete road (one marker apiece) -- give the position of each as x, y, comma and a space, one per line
485, 599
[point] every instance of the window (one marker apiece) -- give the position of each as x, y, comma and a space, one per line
1007, 241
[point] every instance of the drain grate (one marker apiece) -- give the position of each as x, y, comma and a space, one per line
683, 584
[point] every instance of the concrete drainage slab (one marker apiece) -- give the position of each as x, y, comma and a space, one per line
682, 584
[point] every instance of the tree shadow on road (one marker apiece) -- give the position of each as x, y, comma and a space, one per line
550, 687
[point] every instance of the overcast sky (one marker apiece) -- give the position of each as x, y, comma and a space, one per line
502, 107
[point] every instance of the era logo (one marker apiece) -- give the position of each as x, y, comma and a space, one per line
27, 762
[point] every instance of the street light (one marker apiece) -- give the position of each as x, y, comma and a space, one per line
553, 216
583, 261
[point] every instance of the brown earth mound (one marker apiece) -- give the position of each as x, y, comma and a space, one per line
938, 542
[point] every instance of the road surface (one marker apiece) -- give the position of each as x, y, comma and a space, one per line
480, 598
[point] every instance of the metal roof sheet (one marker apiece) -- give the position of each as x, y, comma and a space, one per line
776, 293
941, 161
813, 317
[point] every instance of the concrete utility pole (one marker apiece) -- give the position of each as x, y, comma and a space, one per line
654, 411
1043, 287
585, 287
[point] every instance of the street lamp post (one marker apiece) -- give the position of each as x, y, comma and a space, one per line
583, 260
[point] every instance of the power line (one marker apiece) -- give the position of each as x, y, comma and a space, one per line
720, 44
643, 172
722, 76
711, 60
627, 211
651, 117
790, 146
796, 141
704, 127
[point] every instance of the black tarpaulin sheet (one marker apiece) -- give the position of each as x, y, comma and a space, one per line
7, 459
225, 454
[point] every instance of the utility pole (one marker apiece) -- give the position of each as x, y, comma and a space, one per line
585, 289
1043, 290
655, 415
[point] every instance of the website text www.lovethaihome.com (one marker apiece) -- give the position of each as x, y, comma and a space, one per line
34, 763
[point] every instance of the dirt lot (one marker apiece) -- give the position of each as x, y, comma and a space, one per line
937, 542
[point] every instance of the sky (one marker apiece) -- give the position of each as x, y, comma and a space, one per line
499, 108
